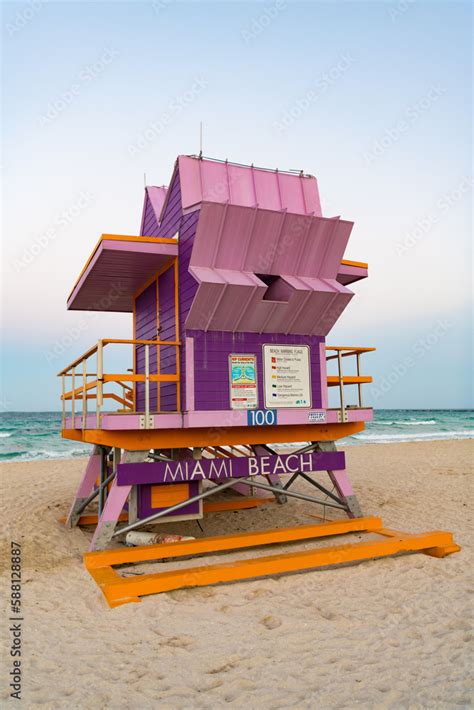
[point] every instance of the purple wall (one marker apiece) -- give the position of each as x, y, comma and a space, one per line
150, 225
145, 329
211, 363
167, 332
187, 285
173, 220
173, 212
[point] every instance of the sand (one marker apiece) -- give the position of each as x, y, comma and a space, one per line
391, 633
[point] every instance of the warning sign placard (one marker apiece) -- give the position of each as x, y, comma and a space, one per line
243, 381
287, 380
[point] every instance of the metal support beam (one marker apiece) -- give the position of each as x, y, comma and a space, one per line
301, 496
166, 511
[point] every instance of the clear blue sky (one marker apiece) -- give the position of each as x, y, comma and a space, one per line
373, 98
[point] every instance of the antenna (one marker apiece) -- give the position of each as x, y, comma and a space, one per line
144, 179
200, 139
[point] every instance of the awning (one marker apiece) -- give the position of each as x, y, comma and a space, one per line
116, 269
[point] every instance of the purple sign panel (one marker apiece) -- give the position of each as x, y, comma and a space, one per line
236, 467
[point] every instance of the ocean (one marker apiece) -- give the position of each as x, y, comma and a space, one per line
27, 436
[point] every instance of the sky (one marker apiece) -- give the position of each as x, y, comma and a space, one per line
374, 98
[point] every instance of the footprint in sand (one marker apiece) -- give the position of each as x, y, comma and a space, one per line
270, 622
256, 593
179, 641
232, 662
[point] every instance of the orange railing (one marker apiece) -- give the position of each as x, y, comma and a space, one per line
94, 389
341, 380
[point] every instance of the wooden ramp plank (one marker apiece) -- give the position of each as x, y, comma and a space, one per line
121, 590
221, 543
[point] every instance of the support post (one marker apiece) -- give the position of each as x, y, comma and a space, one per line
84, 393
63, 403
100, 382
359, 385
73, 402
341, 385
147, 384
342, 484
86, 486
273, 479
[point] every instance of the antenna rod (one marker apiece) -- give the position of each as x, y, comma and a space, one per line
200, 139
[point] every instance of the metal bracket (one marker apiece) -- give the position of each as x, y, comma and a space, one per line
147, 421
342, 416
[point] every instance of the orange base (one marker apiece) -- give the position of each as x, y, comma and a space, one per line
139, 440
121, 590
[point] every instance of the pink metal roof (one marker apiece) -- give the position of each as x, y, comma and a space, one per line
116, 271
157, 196
204, 180
234, 246
349, 273
239, 301
267, 242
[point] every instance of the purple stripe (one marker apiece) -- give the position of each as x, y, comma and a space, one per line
237, 467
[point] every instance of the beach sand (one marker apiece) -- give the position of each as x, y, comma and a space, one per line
390, 633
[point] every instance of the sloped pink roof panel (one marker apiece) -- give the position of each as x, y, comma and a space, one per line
152, 204
211, 181
157, 197
116, 270
240, 301
349, 273
269, 242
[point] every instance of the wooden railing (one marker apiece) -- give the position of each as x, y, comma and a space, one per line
79, 394
340, 380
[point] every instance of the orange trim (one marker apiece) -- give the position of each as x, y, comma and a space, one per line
126, 238
93, 519
358, 264
152, 279
334, 380
139, 378
136, 440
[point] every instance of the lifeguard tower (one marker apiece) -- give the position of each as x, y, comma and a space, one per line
234, 283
